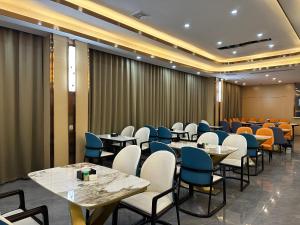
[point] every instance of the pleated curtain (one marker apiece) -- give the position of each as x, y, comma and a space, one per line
128, 92
21, 104
232, 100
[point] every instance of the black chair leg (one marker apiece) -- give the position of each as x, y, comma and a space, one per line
242, 178
115, 216
191, 190
209, 200
177, 209
224, 186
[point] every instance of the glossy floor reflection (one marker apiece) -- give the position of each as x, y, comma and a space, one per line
272, 198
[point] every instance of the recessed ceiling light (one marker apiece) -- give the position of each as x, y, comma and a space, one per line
234, 52
198, 73
40, 23
173, 66
244, 84
279, 81
234, 12
138, 57
267, 75
219, 42
171, 62
152, 56
271, 45
116, 46
187, 25
274, 78
236, 82
259, 35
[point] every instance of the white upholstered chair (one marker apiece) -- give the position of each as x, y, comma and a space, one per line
210, 138
128, 131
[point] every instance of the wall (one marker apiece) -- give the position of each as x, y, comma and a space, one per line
268, 101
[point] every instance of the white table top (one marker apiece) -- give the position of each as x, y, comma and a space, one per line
179, 132
262, 137
118, 138
215, 127
5, 221
111, 185
210, 149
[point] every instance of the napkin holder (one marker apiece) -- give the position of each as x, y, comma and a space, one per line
114, 134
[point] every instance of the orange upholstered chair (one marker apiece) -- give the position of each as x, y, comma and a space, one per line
267, 125
243, 119
268, 144
244, 130
253, 119
261, 120
287, 135
284, 120
235, 120
273, 120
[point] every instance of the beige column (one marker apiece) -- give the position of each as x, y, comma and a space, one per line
60, 63
82, 90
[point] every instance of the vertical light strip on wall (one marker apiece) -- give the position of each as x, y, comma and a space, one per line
219, 90
72, 69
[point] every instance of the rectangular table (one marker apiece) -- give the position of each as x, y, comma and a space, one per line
216, 127
119, 139
102, 195
179, 132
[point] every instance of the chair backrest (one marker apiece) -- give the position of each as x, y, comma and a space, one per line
196, 166
284, 120
191, 128
238, 141
278, 136
244, 130
93, 145
266, 132
159, 169
266, 125
235, 126
252, 144
127, 160
222, 135
153, 133
208, 138
261, 120
159, 146
225, 126
142, 135
202, 128
287, 126
204, 121
128, 131
164, 135
252, 119
254, 128
273, 120
177, 126
243, 119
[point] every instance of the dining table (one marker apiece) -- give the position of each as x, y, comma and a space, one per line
120, 139
215, 127
99, 196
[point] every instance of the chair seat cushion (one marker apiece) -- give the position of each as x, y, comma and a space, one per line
266, 147
27, 221
216, 178
235, 162
143, 201
106, 154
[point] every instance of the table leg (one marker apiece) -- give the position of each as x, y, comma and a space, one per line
77, 217
100, 215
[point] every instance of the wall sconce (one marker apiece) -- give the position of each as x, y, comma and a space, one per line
219, 90
72, 68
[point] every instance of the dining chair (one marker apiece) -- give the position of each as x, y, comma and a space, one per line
164, 135
160, 197
22, 215
222, 135
284, 120
153, 133
202, 128
252, 119
127, 160
234, 126
268, 125
94, 147
254, 152
279, 138
238, 159
142, 138
288, 135
268, 144
197, 170
210, 138
245, 130
128, 131
204, 121
225, 126
177, 126
273, 120
254, 128
192, 132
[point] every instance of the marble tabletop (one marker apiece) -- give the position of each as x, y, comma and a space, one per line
4, 221
210, 149
109, 187
118, 138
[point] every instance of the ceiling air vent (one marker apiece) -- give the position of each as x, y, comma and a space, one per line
140, 15
244, 44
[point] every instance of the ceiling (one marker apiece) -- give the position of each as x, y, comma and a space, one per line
210, 21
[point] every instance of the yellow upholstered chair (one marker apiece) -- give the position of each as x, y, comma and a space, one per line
267, 125
243, 119
252, 119
261, 120
287, 135
284, 121
268, 144
273, 120
244, 130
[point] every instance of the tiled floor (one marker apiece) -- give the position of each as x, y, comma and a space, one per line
272, 198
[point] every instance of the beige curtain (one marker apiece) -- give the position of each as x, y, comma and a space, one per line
21, 104
127, 92
232, 100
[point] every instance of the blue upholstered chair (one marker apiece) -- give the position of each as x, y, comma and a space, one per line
202, 128
235, 126
222, 135
225, 126
153, 133
279, 138
94, 147
197, 170
254, 128
164, 135
159, 146
254, 152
